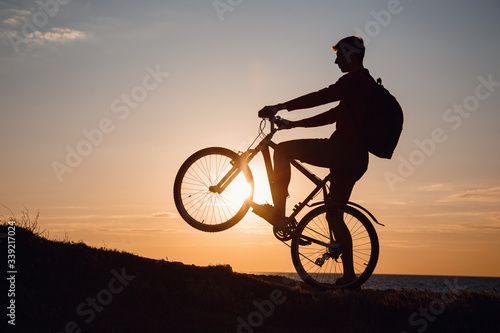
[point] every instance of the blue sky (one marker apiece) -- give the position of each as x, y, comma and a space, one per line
133, 88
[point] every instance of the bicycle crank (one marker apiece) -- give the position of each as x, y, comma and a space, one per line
285, 234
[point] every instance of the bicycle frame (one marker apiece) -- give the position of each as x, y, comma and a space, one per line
264, 148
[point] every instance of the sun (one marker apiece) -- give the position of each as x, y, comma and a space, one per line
262, 190
240, 190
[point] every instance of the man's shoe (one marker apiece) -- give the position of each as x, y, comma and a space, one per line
268, 213
283, 227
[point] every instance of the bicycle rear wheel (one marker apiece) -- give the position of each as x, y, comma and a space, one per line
317, 257
200, 202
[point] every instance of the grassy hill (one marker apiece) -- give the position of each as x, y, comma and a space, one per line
71, 287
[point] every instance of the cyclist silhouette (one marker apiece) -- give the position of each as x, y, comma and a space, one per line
344, 152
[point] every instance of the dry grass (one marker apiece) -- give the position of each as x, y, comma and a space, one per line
24, 221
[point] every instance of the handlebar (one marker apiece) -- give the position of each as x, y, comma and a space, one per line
275, 123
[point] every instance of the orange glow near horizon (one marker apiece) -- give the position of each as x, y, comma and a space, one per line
120, 110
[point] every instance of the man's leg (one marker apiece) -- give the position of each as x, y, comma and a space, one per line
349, 167
311, 151
283, 155
340, 192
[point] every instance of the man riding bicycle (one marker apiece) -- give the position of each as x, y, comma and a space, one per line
343, 153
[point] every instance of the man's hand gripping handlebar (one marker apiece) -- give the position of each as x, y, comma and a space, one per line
269, 112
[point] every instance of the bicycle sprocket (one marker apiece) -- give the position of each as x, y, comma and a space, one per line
285, 234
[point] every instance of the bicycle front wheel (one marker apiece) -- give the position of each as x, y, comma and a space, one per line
317, 256
198, 194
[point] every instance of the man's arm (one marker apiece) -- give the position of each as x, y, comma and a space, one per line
320, 97
330, 94
325, 118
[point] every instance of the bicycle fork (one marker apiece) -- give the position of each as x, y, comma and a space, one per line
237, 167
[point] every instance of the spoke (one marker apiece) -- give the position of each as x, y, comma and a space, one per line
205, 206
317, 232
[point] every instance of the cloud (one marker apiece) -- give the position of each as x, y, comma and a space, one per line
434, 187
428, 229
59, 35
11, 21
100, 218
491, 224
34, 26
404, 244
491, 194
38, 38
165, 214
495, 227
492, 215
14, 15
403, 203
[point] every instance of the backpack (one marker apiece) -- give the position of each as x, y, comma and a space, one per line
383, 122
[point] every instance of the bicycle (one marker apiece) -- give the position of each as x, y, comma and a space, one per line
205, 194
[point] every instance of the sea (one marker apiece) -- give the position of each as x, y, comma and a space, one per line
422, 282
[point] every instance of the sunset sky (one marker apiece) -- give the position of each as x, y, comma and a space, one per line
102, 101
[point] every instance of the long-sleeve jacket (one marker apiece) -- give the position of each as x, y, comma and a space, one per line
354, 91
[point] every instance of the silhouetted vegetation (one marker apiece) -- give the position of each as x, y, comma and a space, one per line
64, 286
